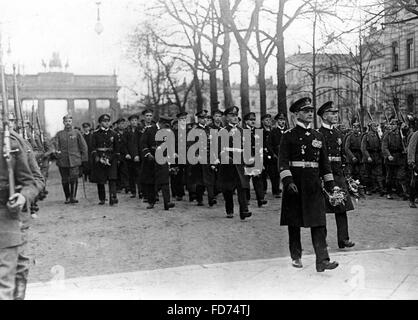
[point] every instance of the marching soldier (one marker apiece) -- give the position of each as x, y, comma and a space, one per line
71, 151
232, 176
123, 174
249, 123
352, 147
270, 162
178, 171
202, 176
132, 157
334, 139
87, 134
154, 176
303, 161
275, 138
394, 154
105, 154
372, 159
12, 239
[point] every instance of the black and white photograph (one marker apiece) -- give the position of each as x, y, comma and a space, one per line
209, 150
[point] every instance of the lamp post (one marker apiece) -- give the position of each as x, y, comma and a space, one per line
99, 26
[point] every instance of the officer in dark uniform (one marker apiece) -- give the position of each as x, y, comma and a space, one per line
105, 156
269, 159
155, 176
232, 176
353, 153
123, 174
178, 171
249, 123
87, 134
276, 136
132, 157
334, 140
202, 176
372, 159
303, 161
394, 154
217, 124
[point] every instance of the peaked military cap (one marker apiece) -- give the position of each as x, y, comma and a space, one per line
67, 116
280, 116
147, 111
303, 103
232, 110
104, 117
86, 124
202, 114
249, 115
181, 114
133, 116
267, 115
327, 106
164, 119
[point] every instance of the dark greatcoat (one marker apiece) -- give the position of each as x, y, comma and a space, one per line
307, 208
202, 174
107, 139
152, 172
231, 175
334, 140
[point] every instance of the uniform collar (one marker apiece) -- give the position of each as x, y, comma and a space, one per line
300, 124
201, 125
280, 128
103, 129
328, 126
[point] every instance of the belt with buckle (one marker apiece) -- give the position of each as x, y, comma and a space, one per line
334, 159
104, 149
304, 164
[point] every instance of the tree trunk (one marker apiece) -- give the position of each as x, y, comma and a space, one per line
281, 63
228, 100
245, 86
198, 91
213, 86
262, 86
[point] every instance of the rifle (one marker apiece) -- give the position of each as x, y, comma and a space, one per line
41, 133
32, 122
7, 151
359, 120
16, 101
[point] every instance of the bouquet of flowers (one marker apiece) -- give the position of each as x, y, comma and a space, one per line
337, 197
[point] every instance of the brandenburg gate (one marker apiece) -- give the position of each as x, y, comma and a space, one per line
67, 86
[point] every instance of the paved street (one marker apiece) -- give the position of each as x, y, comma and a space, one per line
86, 240
376, 274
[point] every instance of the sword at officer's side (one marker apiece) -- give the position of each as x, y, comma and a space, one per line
84, 186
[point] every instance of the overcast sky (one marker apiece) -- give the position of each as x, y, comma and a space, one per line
36, 28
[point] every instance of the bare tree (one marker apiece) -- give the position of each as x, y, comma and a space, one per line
242, 41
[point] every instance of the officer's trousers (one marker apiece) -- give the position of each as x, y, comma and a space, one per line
151, 190
258, 188
342, 226
200, 190
123, 175
318, 234
272, 172
133, 172
102, 191
242, 200
177, 183
8, 266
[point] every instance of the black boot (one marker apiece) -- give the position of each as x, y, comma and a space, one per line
66, 187
20, 287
